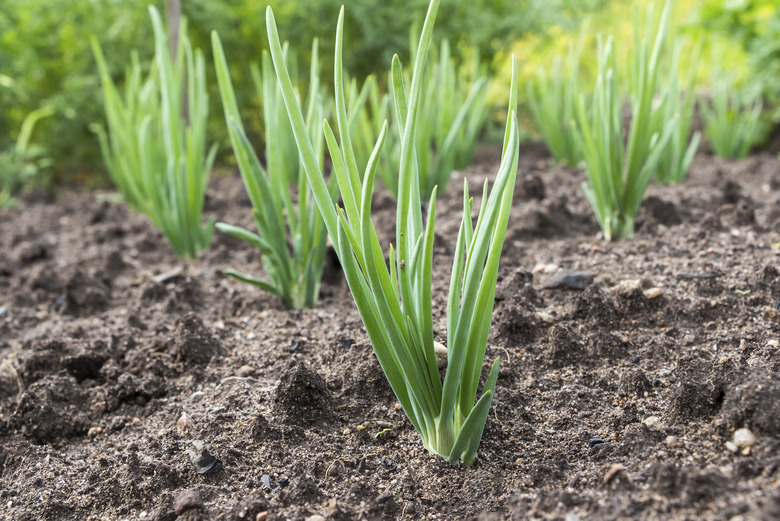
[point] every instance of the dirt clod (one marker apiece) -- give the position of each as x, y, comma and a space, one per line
52, 409
754, 401
187, 500
302, 398
85, 295
192, 342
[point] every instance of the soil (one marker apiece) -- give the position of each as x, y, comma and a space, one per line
134, 385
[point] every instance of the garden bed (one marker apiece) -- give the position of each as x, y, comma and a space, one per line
613, 402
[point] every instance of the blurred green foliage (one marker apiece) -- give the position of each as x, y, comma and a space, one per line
753, 25
45, 60
23, 164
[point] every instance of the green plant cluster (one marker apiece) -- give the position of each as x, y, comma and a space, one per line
46, 63
155, 149
453, 114
732, 119
45, 59
295, 273
394, 300
552, 99
23, 162
637, 122
754, 26
620, 164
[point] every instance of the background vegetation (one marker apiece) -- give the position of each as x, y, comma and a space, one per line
46, 63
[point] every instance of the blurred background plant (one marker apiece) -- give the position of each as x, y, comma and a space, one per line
552, 98
453, 114
732, 119
45, 60
23, 165
154, 146
753, 28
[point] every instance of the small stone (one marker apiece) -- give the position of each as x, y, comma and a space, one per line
544, 269
544, 317
773, 343
346, 343
774, 309
441, 354
652, 293
578, 280
184, 423
653, 423
187, 500
315, 517
245, 371
3, 311
627, 287
595, 441
744, 438
265, 479
262, 516
731, 447
203, 461
613, 471
93, 432
672, 442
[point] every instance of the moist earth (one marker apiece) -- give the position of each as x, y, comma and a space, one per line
134, 385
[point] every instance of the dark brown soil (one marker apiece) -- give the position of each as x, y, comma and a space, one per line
613, 402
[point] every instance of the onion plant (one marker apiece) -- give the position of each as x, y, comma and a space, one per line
394, 298
454, 109
682, 146
452, 113
619, 171
276, 131
732, 120
22, 164
369, 108
155, 148
295, 269
552, 98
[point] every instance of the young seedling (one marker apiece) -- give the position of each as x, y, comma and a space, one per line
155, 155
452, 113
295, 269
368, 109
394, 299
22, 164
732, 121
552, 98
674, 163
618, 171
